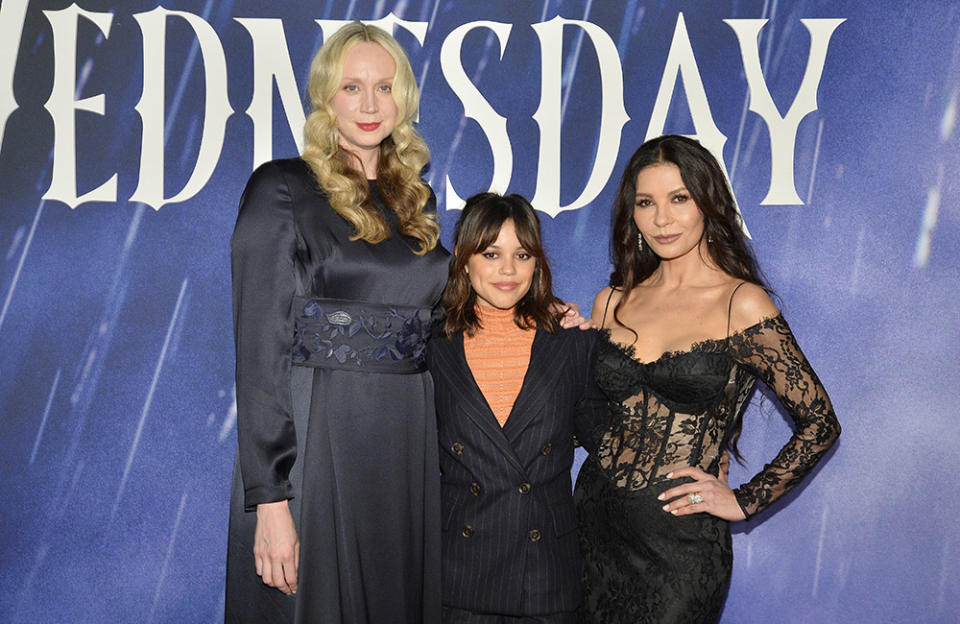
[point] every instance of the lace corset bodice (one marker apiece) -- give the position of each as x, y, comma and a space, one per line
679, 409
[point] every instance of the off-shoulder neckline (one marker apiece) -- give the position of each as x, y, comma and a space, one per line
696, 347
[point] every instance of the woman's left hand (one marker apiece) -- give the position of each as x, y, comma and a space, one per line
706, 494
571, 316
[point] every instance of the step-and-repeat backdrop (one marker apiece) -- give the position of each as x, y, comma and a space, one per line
128, 131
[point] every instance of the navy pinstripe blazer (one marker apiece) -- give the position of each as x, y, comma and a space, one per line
509, 524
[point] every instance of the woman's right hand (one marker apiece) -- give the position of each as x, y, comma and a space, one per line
276, 547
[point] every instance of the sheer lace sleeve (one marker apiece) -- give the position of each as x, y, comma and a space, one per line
769, 351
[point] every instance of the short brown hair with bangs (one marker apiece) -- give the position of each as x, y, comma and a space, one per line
478, 227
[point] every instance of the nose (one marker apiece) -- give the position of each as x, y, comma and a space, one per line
663, 215
507, 267
368, 101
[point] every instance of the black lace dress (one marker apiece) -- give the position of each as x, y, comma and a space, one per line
641, 564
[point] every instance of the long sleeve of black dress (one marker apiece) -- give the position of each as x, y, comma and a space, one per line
771, 353
264, 283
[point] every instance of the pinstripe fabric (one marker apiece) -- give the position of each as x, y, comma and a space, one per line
509, 524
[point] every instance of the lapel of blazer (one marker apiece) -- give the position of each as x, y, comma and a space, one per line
472, 403
538, 384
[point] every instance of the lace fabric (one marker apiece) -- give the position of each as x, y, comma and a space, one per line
679, 409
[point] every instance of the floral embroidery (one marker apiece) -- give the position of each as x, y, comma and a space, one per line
360, 336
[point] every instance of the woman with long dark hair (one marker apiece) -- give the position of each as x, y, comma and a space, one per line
687, 328
512, 389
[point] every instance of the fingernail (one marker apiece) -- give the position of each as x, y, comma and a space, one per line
674, 512
669, 475
660, 497
666, 507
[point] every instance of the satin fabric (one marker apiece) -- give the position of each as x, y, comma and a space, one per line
355, 450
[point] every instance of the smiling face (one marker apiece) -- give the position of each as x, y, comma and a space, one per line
669, 220
502, 273
364, 105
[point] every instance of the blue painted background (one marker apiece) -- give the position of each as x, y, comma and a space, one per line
117, 427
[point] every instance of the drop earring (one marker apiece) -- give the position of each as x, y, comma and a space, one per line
639, 241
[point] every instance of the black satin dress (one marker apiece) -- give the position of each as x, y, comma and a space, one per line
334, 408
642, 565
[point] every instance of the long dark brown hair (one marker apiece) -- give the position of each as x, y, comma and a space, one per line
478, 227
722, 226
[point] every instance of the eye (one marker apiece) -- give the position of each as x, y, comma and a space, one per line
522, 255
643, 203
489, 255
681, 198
350, 88
385, 88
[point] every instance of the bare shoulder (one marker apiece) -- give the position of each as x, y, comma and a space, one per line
749, 305
605, 300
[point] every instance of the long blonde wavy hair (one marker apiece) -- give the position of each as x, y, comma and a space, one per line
403, 154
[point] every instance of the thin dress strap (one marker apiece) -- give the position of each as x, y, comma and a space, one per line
607, 307
730, 306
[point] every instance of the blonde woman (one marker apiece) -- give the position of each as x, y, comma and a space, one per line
336, 271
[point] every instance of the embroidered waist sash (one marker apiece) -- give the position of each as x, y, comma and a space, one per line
359, 336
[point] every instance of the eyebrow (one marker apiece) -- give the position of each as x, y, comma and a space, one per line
375, 79
495, 246
676, 190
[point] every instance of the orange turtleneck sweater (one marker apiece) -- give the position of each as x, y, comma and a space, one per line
498, 355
